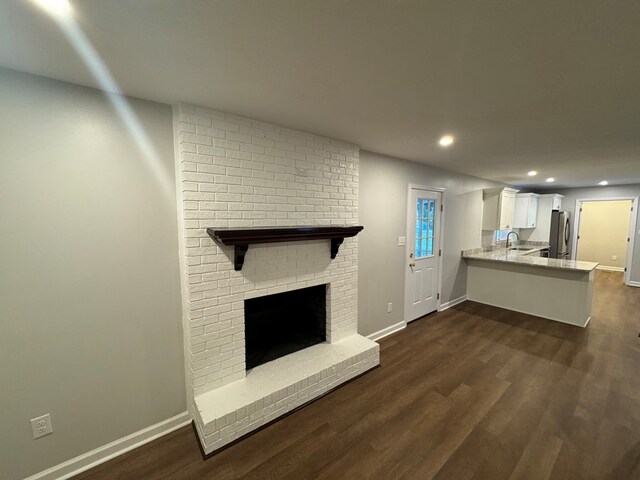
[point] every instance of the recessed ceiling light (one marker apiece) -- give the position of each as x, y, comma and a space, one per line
446, 140
56, 8
532, 173
603, 182
551, 180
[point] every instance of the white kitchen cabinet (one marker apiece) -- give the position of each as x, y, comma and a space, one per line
546, 203
526, 210
498, 208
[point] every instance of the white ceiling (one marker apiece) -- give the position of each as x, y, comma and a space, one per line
547, 85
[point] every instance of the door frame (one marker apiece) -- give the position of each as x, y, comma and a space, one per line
631, 232
410, 210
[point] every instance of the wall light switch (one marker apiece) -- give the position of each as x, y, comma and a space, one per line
41, 426
402, 241
389, 307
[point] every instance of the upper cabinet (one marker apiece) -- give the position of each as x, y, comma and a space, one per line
526, 210
546, 203
498, 208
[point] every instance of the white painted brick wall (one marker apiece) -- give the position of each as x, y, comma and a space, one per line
238, 172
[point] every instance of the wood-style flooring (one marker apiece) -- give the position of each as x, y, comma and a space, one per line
475, 392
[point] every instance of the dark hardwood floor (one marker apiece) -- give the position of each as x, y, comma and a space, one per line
475, 392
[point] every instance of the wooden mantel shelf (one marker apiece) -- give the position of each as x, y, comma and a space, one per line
241, 238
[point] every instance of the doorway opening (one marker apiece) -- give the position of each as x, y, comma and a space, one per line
605, 233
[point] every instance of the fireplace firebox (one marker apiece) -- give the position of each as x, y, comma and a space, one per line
283, 323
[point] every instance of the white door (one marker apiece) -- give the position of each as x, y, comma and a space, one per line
423, 252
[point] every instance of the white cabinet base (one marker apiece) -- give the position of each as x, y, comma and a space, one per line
561, 295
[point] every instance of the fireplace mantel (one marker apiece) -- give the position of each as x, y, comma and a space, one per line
241, 238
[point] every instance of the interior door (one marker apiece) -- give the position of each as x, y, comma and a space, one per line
423, 252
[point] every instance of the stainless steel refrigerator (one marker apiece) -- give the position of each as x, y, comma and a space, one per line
560, 235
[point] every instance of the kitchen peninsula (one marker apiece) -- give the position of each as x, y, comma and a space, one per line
520, 279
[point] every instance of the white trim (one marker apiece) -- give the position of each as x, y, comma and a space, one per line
385, 332
632, 230
111, 450
425, 187
634, 284
452, 303
442, 192
610, 269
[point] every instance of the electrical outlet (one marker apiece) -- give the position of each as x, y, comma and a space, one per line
41, 426
614, 257
389, 307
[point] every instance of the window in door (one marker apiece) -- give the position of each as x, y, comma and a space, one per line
425, 216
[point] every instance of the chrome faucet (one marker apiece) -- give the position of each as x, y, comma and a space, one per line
516, 234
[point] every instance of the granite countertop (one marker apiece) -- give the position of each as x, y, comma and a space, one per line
524, 257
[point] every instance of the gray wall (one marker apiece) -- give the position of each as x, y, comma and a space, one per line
573, 194
383, 212
89, 287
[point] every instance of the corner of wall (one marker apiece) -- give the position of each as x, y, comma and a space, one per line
181, 255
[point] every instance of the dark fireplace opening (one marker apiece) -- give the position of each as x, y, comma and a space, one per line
283, 323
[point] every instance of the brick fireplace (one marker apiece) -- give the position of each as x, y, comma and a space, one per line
236, 172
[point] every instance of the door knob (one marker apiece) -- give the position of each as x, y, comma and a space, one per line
412, 265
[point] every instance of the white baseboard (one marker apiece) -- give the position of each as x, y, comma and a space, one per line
452, 303
633, 284
610, 269
387, 331
100, 455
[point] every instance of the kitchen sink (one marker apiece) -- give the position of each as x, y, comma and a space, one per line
520, 249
